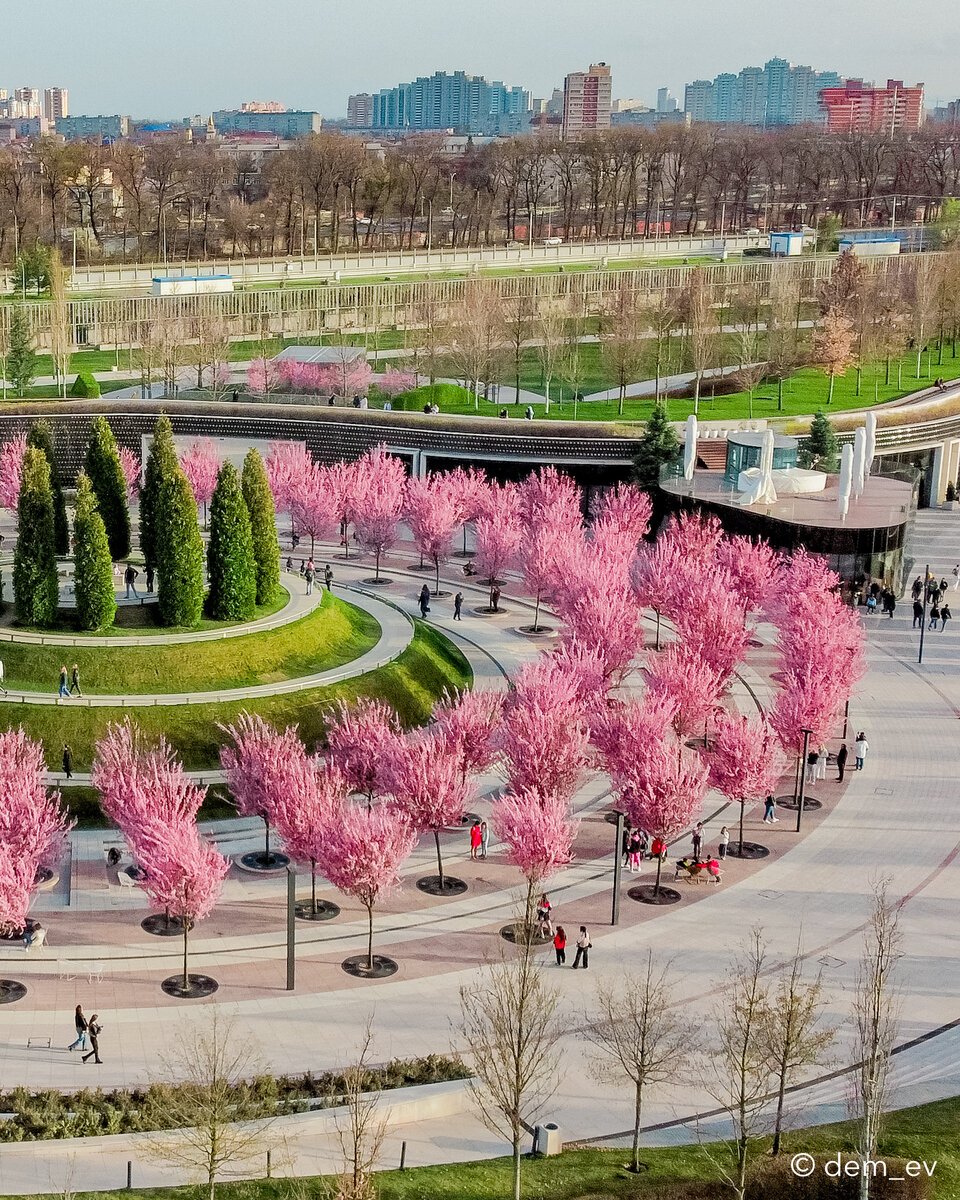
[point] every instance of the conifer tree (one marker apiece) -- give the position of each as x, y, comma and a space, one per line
230, 559
162, 464
179, 549
819, 448
35, 586
93, 568
263, 526
41, 436
109, 484
658, 445
22, 358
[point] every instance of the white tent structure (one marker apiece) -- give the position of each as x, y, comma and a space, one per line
846, 479
690, 447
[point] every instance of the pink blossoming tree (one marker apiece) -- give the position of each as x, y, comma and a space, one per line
432, 514
499, 533
467, 724
745, 761
131, 472
11, 470
539, 834
394, 383
361, 740
379, 503
201, 464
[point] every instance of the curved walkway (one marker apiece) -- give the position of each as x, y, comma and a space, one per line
396, 634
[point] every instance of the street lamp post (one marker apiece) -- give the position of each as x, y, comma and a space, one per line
923, 619
617, 869
807, 733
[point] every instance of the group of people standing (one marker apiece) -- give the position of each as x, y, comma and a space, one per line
936, 597
547, 929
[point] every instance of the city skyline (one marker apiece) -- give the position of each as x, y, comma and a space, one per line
311, 71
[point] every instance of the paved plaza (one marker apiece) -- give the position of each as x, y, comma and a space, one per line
897, 818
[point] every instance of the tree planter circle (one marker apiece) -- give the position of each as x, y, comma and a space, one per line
451, 885
197, 987
750, 850
359, 967
516, 934
11, 991
484, 610
421, 567
441, 595
468, 819
160, 926
810, 803
326, 910
373, 581
257, 861
646, 893
537, 631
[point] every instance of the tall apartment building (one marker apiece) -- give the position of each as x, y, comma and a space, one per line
587, 99
777, 93
465, 103
666, 102
360, 111
55, 103
857, 107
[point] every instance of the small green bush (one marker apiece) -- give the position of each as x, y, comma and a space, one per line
85, 387
951, 491
446, 396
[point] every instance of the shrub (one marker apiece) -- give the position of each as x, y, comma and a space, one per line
85, 387
263, 526
179, 549
445, 395
35, 587
41, 436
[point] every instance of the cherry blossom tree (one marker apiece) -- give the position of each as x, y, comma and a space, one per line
257, 771
201, 464
263, 376
548, 553
306, 809
745, 761
681, 674
11, 469
499, 533
664, 577
539, 833
288, 463
432, 513
131, 472
379, 503
711, 624
394, 383
424, 774
363, 855
314, 505
752, 567
599, 609
470, 489
467, 723
361, 740
626, 510
548, 497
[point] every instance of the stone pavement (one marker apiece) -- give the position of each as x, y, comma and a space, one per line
897, 818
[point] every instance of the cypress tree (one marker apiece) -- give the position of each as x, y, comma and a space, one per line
179, 549
22, 359
35, 587
41, 436
93, 568
110, 487
819, 449
263, 527
658, 445
162, 464
231, 563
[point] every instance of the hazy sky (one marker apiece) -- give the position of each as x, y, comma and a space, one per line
171, 58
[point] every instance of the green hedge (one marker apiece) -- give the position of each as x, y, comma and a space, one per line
444, 395
85, 387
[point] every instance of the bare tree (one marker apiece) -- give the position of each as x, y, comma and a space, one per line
360, 1129
876, 1009
622, 347
793, 1032
783, 334
638, 1032
478, 335
509, 1020
213, 1126
700, 321
740, 1074
549, 332
61, 334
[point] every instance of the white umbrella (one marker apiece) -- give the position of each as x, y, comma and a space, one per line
690, 447
871, 428
846, 478
859, 461
766, 456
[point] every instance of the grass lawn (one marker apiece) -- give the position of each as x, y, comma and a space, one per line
411, 684
927, 1133
335, 633
83, 804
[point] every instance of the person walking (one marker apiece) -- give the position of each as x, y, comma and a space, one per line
457, 606
67, 760
560, 945
424, 601
64, 690
841, 761
75, 679
583, 949
94, 1029
917, 589
697, 839
770, 811
130, 579
917, 614
151, 576
328, 576
945, 616
484, 838
891, 605
475, 840
861, 748
934, 616
821, 763
495, 599
724, 842
308, 576
2, 688
634, 847
80, 1023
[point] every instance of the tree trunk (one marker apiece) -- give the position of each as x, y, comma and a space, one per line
637, 1109
436, 838
377, 560
313, 886
778, 1121
516, 1163
186, 931
656, 886
833, 380
536, 614
266, 846
742, 806
370, 937
436, 563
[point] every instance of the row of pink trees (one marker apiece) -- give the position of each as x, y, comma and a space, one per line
347, 378
33, 826
146, 793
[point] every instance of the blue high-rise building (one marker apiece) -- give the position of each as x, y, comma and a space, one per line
465, 103
776, 94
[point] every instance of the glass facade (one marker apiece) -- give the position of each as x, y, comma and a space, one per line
743, 452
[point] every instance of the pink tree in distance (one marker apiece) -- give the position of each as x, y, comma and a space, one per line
625, 510
683, 675
131, 472
432, 514
303, 814
467, 723
499, 533
745, 761
313, 505
263, 376
752, 567
425, 778
11, 470
379, 503
394, 383
257, 772
361, 740
470, 490
599, 609
539, 836
362, 858
201, 464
